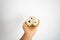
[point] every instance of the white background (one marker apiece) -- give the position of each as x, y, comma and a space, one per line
14, 13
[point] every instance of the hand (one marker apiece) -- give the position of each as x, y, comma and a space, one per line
28, 32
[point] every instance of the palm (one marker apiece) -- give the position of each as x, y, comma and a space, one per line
29, 30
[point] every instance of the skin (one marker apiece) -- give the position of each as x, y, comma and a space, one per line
28, 32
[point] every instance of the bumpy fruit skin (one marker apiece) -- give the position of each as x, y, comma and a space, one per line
32, 21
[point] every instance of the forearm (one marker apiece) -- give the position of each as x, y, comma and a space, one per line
26, 37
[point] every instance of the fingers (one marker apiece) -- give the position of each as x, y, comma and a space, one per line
25, 27
30, 28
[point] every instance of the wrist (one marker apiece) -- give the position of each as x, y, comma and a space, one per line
28, 35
